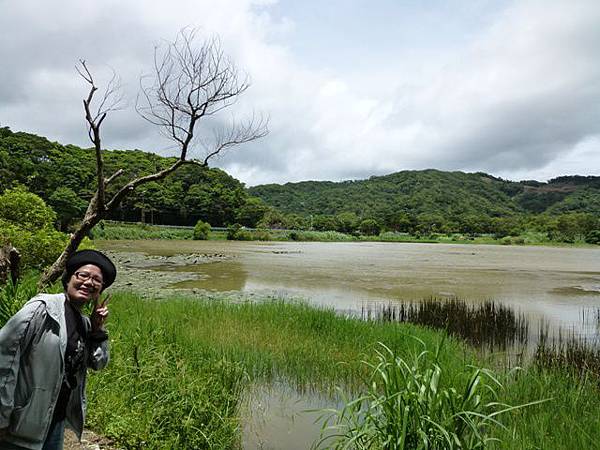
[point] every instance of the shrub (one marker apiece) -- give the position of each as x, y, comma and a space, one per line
236, 232
593, 237
20, 207
261, 235
27, 223
370, 227
232, 231
201, 231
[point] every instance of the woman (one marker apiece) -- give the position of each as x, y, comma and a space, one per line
45, 350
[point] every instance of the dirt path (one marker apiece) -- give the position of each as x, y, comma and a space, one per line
89, 441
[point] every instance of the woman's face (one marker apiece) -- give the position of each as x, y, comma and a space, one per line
85, 285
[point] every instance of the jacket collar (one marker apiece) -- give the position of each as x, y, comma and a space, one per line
55, 305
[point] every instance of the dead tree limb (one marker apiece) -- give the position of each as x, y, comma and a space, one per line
189, 83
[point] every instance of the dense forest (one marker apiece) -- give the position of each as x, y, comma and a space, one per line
436, 201
64, 176
417, 202
435, 191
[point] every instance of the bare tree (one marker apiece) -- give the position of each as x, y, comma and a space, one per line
189, 84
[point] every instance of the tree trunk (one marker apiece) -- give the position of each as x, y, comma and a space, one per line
9, 264
90, 220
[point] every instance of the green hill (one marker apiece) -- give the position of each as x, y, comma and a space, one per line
434, 192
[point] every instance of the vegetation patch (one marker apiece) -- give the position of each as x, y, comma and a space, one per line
179, 367
407, 406
489, 325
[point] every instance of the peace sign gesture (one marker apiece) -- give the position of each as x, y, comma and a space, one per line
100, 313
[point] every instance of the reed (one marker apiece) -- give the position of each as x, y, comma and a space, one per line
489, 325
112, 231
178, 366
569, 352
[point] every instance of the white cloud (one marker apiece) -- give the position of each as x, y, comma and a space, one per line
518, 98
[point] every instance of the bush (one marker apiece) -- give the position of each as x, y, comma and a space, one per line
370, 227
593, 237
201, 231
236, 232
232, 231
261, 235
25, 210
27, 223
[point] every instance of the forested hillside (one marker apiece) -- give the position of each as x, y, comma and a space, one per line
434, 192
64, 175
416, 202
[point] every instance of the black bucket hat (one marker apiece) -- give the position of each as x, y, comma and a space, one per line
98, 259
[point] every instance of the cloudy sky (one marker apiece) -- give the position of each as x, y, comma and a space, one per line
353, 88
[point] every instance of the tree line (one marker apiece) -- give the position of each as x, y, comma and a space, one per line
65, 177
414, 202
432, 201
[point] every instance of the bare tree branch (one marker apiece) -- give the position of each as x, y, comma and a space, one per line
109, 180
236, 134
189, 84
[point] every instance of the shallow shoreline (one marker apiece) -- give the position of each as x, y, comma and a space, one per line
137, 270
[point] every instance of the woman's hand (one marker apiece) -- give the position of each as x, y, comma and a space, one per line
100, 314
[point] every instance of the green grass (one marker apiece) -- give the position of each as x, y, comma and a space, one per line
568, 421
191, 359
13, 296
116, 231
407, 406
179, 366
309, 347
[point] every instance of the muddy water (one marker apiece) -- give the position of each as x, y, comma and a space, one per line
554, 284
551, 284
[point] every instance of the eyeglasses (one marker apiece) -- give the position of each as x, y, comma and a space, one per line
84, 276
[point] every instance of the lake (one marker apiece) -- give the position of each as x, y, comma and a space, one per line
554, 284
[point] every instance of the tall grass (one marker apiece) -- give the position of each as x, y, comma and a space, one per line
178, 367
113, 231
160, 394
569, 353
191, 358
13, 296
489, 325
568, 421
408, 406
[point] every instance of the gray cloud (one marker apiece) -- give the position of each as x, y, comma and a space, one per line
519, 98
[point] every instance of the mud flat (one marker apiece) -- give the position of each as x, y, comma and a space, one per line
152, 275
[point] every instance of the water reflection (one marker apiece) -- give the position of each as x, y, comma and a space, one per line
276, 417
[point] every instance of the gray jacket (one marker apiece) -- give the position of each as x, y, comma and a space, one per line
32, 349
